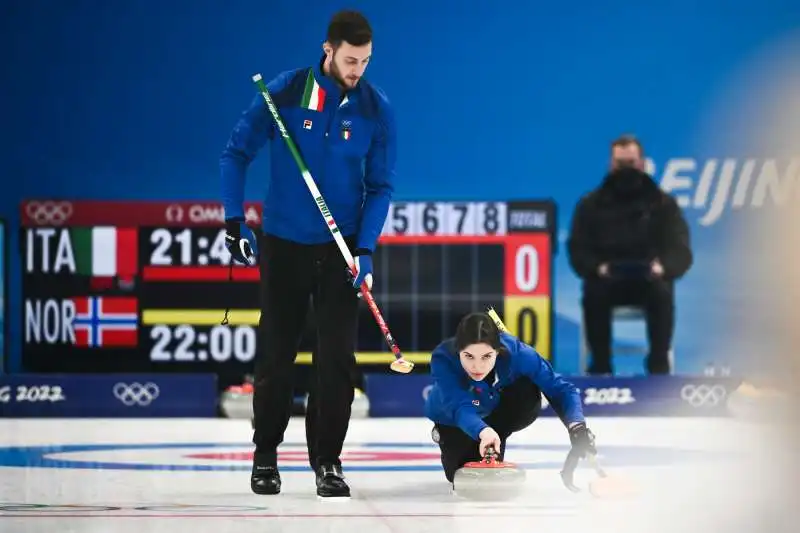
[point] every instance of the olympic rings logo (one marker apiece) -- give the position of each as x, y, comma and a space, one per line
136, 393
703, 395
49, 212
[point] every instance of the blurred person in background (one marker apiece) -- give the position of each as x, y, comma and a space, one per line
628, 242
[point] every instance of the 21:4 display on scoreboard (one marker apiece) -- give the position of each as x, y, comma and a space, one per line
195, 246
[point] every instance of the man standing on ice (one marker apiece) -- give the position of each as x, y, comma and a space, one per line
344, 128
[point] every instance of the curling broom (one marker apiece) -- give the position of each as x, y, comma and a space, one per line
399, 364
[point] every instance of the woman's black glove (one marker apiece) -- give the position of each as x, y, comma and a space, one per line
582, 440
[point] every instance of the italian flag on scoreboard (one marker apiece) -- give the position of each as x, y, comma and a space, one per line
106, 252
105, 321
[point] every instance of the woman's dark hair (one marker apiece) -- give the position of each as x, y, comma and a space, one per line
477, 328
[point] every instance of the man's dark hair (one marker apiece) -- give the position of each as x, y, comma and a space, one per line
626, 140
477, 328
351, 27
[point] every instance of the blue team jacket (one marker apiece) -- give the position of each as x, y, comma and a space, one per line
455, 401
348, 142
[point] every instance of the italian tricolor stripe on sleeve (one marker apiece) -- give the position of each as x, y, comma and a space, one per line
106, 252
313, 95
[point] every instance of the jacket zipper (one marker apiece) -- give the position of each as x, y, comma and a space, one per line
331, 114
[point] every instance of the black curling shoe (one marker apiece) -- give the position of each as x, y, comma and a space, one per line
265, 480
331, 483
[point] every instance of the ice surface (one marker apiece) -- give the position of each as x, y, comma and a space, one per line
173, 476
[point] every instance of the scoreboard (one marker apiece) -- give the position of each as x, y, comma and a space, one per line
143, 286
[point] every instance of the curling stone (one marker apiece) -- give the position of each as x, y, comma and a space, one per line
489, 479
360, 406
237, 400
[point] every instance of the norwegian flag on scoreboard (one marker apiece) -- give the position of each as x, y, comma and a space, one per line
106, 321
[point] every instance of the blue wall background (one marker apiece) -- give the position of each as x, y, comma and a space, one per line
135, 99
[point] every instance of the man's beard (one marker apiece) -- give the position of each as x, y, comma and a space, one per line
337, 75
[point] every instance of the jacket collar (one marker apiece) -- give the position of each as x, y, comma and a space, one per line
647, 185
329, 84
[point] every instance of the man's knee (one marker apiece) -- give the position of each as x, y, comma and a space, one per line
660, 293
595, 293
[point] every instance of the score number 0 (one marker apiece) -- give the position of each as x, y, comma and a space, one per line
526, 268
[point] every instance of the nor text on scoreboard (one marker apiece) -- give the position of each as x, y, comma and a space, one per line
143, 286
